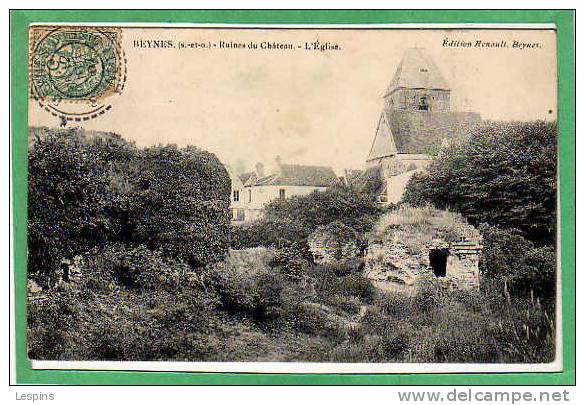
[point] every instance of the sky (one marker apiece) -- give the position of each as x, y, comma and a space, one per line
307, 106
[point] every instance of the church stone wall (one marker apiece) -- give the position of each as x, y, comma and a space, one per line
424, 131
409, 99
402, 163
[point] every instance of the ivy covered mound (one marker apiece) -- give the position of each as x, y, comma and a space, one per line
89, 190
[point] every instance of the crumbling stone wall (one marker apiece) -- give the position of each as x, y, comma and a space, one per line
398, 252
333, 242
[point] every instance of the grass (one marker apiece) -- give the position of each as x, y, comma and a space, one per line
251, 313
435, 327
263, 304
415, 227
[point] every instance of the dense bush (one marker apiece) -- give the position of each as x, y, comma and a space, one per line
252, 291
504, 174
340, 203
69, 200
180, 204
87, 190
112, 267
270, 233
242, 309
513, 265
148, 229
291, 221
329, 283
50, 322
152, 308
290, 262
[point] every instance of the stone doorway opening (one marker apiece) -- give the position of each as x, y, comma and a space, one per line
438, 261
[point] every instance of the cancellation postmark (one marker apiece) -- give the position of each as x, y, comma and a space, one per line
75, 72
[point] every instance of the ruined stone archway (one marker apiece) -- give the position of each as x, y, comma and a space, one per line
438, 261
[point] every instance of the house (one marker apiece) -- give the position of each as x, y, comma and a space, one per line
237, 205
251, 191
415, 122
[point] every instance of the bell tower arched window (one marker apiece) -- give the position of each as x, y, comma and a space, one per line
423, 104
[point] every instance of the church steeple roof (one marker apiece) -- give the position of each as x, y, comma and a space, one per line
417, 70
383, 144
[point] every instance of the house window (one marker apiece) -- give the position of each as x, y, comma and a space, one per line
423, 105
282, 193
236, 195
250, 195
238, 214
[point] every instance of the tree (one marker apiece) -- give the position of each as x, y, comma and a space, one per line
69, 200
338, 203
503, 174
510, 260
179, 204
88, 190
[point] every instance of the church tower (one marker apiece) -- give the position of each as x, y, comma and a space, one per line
418, 85
415, 121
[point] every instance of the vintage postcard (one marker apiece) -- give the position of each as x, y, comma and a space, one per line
293, 198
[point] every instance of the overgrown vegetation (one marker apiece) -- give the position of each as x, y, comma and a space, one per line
503, 178
439, 325
289, 222
90, 190
503, 174
146, 233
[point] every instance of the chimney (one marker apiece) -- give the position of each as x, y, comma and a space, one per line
259, 170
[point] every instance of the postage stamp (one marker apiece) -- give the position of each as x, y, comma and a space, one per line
75, 70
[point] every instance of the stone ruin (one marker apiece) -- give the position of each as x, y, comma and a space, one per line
333, 243
414, 246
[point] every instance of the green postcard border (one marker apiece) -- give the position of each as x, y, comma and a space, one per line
19, 22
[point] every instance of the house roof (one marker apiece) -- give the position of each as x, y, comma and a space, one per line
246, 177
417, 70
299, 175
235, 179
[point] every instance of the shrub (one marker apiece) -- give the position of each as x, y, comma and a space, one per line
151, 307
513, 265
313, 319
504, 174
328, 284
257, 294
275, 232
181, 204
90, 189
290, 262
339, 203
69, 199
289, 222
131, 267
345, 267
50, 320
437, 325
335, 241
